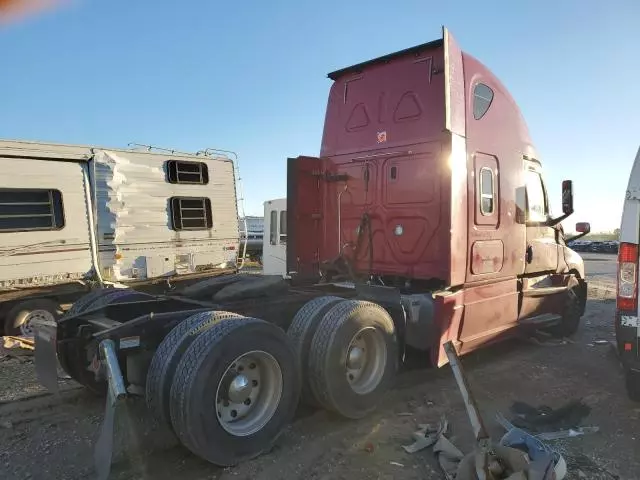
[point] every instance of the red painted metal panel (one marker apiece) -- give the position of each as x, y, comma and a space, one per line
304, 215
454, 85
489, 312
500, 135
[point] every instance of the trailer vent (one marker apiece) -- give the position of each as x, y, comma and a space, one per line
30, 209
191, 213
192, 173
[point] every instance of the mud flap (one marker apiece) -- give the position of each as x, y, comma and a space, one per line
45, 354
116, 394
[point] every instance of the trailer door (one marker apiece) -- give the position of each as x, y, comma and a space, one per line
304, 207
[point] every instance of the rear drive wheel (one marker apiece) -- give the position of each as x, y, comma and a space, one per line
167, 356
22, 317
353, 358
632, 381
571, 315
234, 391
301, 331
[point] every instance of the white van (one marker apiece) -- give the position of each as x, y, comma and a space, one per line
627, 324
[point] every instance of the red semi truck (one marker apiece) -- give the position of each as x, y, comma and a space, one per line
425, 219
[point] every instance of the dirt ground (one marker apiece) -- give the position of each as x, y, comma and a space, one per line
50, 437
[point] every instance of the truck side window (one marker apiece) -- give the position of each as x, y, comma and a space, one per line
273, 228
486, 191
283, 227
536, 201
482, 98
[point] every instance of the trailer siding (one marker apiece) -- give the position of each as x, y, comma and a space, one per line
44, 257
136, 235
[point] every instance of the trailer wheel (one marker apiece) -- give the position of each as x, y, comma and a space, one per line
301, 331
234, 391
168, 355
21, 318
353, 358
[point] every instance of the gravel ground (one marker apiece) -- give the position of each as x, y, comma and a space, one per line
50, 437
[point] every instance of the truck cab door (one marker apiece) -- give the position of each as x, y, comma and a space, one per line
540, 294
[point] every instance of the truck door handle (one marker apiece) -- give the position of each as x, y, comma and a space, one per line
529, 254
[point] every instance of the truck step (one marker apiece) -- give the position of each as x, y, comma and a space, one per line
546, 319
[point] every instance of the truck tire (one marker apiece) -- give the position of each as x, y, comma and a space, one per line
353, 358
247, 368
571, 315
102, 297
80, 305
632, 383
301, 331
19, 320
168, 355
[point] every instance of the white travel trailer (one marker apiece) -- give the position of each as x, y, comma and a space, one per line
274, 249
73, 216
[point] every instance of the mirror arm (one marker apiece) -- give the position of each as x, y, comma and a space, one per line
554, 221
575, 237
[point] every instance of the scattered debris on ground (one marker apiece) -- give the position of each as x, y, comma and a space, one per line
16, 347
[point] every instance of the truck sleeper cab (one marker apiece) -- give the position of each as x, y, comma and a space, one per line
425, 219
428, 181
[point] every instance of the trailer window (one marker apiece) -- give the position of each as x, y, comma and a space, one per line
194, 173
487, 191
30, 209
536, 200
482, 98
283, 227
191, 213
273, 227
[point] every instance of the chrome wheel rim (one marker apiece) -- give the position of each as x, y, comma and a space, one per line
33, 318
366, 360
249, 393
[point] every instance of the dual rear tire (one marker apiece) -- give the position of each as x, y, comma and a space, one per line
348, 352
226, 385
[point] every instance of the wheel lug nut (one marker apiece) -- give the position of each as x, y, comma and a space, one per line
247, 401
254, 383
234, 414
252, 366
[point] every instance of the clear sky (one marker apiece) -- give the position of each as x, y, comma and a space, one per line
251, 77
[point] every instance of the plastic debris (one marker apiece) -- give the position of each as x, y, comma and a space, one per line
572, 432
11, 346
544, 419
426, 436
